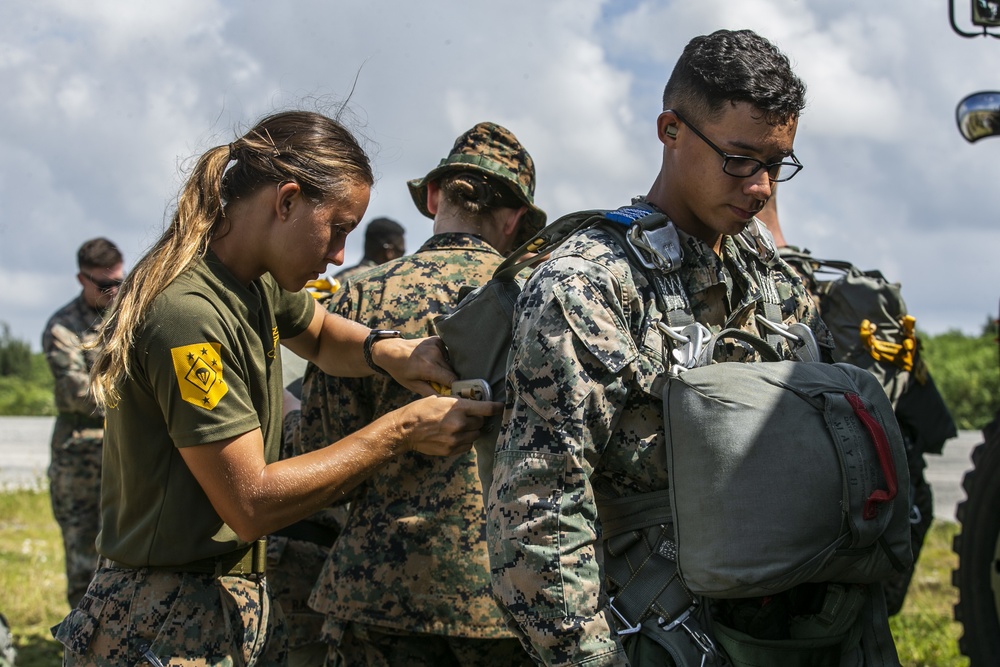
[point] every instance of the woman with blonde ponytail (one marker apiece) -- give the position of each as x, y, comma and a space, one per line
190, 377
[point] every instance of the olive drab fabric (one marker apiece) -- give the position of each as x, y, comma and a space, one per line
158, 523
412, 557
784, 473
77, 438
874, 329
583, 420
203, 307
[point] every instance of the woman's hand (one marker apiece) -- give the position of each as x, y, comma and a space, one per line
442, 426
414, 362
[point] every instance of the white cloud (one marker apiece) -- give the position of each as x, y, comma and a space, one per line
106, 102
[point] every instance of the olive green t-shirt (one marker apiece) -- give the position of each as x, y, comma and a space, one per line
205, 367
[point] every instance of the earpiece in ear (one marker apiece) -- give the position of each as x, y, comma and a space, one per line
671, 131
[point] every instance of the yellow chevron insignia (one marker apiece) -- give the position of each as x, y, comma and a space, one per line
199, 373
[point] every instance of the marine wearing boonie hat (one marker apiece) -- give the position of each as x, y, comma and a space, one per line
493, 150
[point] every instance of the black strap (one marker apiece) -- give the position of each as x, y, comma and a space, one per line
309, 531
642, 559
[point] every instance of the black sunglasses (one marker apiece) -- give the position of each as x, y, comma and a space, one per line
103, 285
742, 166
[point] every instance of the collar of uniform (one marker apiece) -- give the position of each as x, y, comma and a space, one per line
248, 297
702, 267
747, 271
456, 241
87, 312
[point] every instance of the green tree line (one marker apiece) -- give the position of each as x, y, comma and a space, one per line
965, 368
25, 381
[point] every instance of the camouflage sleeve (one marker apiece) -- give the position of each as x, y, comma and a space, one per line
68, 362
566, 389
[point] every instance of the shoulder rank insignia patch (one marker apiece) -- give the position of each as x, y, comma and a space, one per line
199, 373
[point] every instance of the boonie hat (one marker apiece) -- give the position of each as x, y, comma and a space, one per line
493, 150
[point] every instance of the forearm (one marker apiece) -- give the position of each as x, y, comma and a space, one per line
334, 344
323, 477
255, 498
286, 491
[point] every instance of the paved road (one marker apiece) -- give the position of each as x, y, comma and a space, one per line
24, 456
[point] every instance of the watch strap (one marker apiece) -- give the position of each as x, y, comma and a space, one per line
373, 337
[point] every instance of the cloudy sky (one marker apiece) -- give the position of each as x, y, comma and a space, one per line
106, 103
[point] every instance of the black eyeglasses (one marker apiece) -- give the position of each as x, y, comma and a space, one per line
103, 285
742, 166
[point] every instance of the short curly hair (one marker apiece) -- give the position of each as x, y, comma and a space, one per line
730, 66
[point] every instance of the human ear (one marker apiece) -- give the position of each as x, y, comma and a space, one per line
286, 194
510, 227
666, 126
433, 197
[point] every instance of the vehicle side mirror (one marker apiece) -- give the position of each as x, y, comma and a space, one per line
978, 116
986, 12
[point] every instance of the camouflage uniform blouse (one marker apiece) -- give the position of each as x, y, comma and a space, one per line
582, 420
64, 339
412, 555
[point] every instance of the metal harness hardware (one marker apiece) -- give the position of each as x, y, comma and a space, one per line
805, 347
658, 248
700, 639
692, 339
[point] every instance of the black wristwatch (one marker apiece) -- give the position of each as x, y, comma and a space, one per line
373, 337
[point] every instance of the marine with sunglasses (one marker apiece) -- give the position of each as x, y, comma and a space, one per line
75, 467
583, 552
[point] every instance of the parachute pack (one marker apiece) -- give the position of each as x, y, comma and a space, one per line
830, 438
873, 329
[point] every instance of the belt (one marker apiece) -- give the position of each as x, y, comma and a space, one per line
248, 560
309, 531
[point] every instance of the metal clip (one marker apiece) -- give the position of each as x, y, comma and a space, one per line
700, 639
658, 248
629, 628
802, 340
147, 653
756, 238
693, 341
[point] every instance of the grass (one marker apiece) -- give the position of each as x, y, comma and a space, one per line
32, 588
32, 575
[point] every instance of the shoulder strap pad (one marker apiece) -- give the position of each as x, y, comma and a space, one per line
549, 237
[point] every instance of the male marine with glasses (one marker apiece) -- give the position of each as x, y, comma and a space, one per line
583, 432
78, 436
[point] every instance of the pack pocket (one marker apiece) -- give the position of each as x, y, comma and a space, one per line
746, 651
76, 631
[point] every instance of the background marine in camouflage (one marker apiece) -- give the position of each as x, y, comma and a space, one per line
75, 467
407, 581
383, 242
